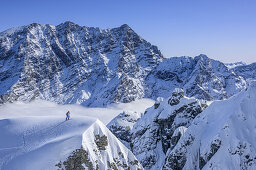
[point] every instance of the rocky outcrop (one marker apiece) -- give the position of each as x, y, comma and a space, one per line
159, 129
220, 137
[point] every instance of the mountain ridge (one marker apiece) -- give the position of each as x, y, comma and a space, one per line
186, 133
69, 63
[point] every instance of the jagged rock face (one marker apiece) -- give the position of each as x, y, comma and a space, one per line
73, 64
200, 77
159, 129
246, 71
77, 160
220, 137
69, 63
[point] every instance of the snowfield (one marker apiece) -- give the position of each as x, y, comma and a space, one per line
45, 108
39, 142
36, 136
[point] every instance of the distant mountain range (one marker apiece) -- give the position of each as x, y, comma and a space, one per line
69, 63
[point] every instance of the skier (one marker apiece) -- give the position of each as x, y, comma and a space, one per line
68, 115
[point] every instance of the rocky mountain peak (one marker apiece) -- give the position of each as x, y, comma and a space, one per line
125, 26
202, 57
73, 64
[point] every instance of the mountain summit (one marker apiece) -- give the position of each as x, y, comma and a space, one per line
69, 63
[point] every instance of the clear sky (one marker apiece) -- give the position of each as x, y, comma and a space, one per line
222, 29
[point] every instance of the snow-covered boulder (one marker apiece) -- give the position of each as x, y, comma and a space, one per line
51, 143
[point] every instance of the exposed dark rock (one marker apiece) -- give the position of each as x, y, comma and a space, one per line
101, 142
76, 161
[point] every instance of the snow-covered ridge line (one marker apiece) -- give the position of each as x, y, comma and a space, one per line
222, 137
236, 64
185, 133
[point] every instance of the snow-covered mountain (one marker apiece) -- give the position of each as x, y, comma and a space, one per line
236, 64
222, 137
200, 77
73, 64
187, 133
246, 71
69, 63
159, 129
52, 143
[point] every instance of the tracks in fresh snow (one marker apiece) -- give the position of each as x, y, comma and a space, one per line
26, 145
26, 134
40, 136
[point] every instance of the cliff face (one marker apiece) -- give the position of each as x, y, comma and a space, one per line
185, 133
69, 63
73, 64
221, 137
159, 129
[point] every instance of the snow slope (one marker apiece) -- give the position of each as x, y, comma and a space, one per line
47, 143
45, 108
35, 136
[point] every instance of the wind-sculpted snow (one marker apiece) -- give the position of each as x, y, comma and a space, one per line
69, 63
53, 143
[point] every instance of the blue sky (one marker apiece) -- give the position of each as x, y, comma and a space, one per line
222, 29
